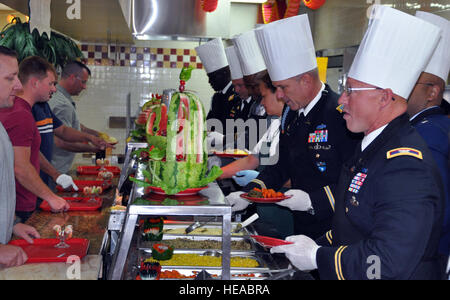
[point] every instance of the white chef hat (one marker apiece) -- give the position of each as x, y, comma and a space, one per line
233, 61
249, 53
287, 47
212, 55
394, 51
439, 64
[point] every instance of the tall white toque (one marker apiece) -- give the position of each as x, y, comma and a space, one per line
212, 55
395, 50
287, 47
233, 61
439, 64
249, 53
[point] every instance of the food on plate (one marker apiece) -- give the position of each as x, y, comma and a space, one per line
176, 136
162, 252
235, 152
264, 193
105, 175
92, 190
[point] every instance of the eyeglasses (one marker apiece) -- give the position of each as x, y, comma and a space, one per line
348, 90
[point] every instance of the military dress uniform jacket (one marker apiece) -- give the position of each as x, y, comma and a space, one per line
311, 153
222, 104
388, 211
434, 126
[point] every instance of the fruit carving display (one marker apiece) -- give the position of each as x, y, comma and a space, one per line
177, 147
141, 121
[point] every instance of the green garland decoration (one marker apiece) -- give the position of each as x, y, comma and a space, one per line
58, 50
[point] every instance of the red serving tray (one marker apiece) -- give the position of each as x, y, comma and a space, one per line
265, 200
44, 251
94, 170
81, 184
269, 242
186, 192
77, 204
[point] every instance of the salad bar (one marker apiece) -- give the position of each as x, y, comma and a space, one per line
177, 223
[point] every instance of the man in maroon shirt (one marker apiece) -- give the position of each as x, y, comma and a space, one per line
38, 78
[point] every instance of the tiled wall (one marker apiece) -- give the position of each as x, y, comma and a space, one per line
132, 56
140, 71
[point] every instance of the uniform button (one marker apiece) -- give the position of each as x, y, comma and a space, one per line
317, 155
354, 202
346, 210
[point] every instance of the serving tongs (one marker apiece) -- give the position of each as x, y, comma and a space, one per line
197, 224
247, 222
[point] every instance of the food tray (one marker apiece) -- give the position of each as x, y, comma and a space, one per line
269, 242
77, 204
81, 184
43, 250
215, 243
94, 170
212, 229
262, 265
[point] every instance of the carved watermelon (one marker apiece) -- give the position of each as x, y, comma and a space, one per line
178, 159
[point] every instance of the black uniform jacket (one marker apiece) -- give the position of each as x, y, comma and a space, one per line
223, 106
311, 153
388, 211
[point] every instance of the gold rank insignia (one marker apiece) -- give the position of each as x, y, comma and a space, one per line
404, 151
231, 98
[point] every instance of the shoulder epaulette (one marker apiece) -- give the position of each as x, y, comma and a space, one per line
404, 151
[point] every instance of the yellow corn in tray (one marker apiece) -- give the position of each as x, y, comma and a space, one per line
208, 261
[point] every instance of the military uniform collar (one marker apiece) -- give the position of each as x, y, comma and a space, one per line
386, 134
225, 90
434, 110
368, 139
311, 104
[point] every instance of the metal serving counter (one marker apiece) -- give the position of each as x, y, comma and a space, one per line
213, 205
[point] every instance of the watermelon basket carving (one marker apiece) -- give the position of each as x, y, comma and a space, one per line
176, 136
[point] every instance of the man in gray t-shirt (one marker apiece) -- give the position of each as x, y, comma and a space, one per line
74, 78
9, 86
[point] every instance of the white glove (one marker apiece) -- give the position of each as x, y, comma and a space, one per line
302, 253
236, 201
66, 181
299, 201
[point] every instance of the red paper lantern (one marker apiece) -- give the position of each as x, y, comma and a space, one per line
209, 5
313, 4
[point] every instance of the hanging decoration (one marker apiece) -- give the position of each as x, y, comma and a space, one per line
272, 9
58, 50
313, 4
209, 5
